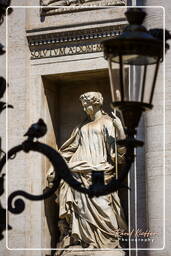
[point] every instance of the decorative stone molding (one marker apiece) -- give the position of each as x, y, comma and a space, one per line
49, 7
71, 42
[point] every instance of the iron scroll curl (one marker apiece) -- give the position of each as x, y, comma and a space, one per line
17, 205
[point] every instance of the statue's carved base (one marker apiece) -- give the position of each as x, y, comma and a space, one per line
114, 252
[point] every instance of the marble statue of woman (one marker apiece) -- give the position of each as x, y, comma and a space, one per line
91, 222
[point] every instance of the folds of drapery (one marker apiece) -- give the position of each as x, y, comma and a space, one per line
94, 221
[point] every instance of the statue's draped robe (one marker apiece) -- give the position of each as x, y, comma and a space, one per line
93, 221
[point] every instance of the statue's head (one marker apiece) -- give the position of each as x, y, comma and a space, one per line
93, 98
91, 101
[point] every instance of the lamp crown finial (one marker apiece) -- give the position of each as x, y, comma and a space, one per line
135, 16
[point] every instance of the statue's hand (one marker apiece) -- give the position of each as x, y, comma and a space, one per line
116, 120
117, 123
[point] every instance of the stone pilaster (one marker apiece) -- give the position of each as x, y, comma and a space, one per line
157, 147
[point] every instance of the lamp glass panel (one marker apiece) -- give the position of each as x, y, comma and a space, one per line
135, 84
149, 82
137, 81
115, 81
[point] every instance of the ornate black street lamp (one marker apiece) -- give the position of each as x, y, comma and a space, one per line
137, 53
130, 56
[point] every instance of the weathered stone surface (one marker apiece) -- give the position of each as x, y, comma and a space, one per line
155, 184
49, 7
94, 253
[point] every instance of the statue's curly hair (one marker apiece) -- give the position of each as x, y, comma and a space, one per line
94, 98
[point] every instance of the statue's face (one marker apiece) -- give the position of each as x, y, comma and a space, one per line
90, 109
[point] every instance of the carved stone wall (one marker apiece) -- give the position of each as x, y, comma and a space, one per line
71, 42
49, 7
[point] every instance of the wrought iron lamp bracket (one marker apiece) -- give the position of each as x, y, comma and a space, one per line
62, 171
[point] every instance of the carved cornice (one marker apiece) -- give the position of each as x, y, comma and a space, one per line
49, 7
71, 42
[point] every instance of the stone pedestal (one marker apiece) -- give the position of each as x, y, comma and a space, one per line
114, 252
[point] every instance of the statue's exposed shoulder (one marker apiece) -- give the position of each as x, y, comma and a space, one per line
107, 119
